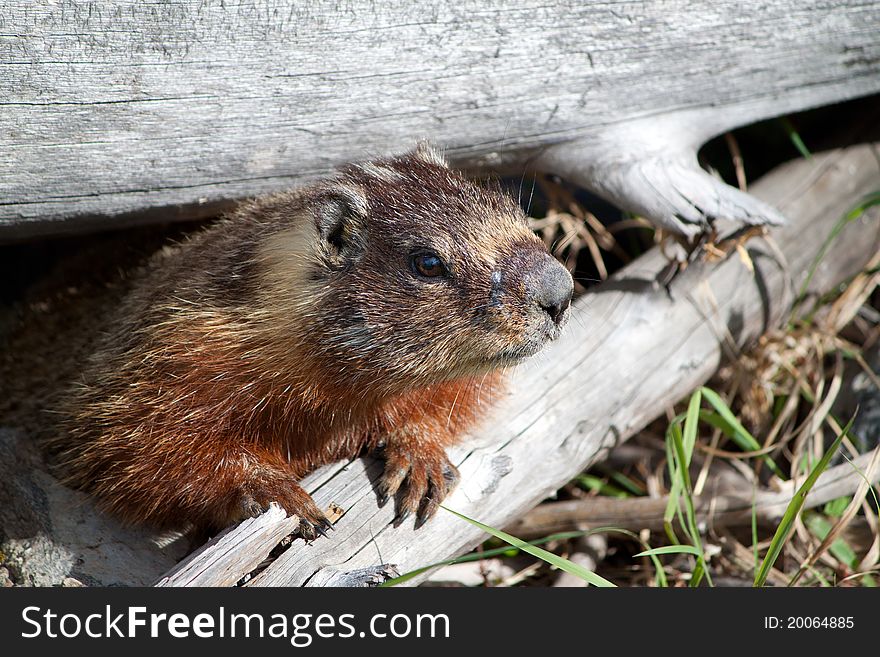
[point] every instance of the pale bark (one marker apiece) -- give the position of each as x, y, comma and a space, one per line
121, 111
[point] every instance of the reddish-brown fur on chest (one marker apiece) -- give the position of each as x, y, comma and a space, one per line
232, 390
310, 423
187, 440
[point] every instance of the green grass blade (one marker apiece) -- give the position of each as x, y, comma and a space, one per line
683, 458
553, 559
691, 421
683, 455
795, 138
700, 571
794, 508
670, 549
734, 428
737, 431
755, 527
835, 508
660, 574
672, 507
624, 482
506, 550
840, 549
598, 485
867, 202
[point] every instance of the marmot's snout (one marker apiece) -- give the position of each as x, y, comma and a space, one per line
550, 286
538, 295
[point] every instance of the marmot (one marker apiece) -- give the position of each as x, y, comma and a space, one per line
372, 311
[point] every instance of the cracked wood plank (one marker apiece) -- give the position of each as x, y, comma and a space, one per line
239, 550
125, 112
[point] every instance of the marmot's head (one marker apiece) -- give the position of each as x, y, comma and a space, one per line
404, 273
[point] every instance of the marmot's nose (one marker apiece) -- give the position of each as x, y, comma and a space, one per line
552, 288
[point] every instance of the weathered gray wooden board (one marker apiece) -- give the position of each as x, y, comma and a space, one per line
223, 560
119, 111
630, 352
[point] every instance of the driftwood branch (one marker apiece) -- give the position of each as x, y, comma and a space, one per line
732, 508
124, 112
630, 351
238, 553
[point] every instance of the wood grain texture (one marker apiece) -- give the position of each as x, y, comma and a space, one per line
223, 560
122, 111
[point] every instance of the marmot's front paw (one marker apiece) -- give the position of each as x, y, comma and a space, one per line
422, 474
293, 499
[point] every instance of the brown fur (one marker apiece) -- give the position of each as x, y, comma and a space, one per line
293, 333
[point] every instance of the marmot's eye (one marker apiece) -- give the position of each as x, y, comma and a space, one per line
428, 265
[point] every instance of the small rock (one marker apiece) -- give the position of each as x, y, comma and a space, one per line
5, 579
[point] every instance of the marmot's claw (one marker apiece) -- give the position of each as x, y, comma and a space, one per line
250, 508
309, 530
436, 493
421, 476
423, 517
391, 480
273, 486
401, 517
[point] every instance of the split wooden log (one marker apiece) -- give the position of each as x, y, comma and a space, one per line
631, 350
240, 549
728, 508
124, 112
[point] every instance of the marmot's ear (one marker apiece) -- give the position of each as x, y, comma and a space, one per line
340, 217
427, 152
